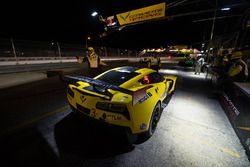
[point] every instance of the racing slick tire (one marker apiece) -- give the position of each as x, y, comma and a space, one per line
156, 115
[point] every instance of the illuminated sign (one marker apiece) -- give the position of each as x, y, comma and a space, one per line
146, 13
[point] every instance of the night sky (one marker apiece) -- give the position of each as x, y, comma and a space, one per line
71, 21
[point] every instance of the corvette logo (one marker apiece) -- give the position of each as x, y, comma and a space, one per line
142, 14
125, 18
83, 99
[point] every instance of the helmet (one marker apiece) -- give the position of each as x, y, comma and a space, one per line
90, 49
236, 55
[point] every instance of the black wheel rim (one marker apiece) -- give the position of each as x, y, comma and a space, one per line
155, 120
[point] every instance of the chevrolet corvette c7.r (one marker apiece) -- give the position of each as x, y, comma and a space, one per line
127, 97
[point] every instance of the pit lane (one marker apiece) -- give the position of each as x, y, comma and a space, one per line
39, 129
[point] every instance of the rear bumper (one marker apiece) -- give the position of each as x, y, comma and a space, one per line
100, 122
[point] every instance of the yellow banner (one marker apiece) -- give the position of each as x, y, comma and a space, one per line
147, 13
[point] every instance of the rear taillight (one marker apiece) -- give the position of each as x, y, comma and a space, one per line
113, 107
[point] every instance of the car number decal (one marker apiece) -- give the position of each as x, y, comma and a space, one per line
93, 112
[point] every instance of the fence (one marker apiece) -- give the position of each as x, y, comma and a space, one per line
18, 50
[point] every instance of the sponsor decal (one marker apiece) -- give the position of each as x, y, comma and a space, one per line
114, 117
234, 112
144, 98
140, 94
143, 126
104, 116
156, 90
142, 14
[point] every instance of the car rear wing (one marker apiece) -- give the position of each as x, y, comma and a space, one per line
136, 95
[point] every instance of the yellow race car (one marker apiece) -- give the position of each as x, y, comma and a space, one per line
127, 97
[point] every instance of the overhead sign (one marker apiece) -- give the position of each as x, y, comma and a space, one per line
146, 13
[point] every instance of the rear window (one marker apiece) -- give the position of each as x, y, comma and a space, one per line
117, 77
152, 78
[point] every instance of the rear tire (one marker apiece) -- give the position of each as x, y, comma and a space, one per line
156, 115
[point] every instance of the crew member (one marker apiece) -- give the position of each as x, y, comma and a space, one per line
155, 63
237, 72
94, 63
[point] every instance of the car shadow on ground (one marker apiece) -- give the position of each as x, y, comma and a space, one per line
27, 147
81, 137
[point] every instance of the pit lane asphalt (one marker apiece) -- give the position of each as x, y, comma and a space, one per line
37, 128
